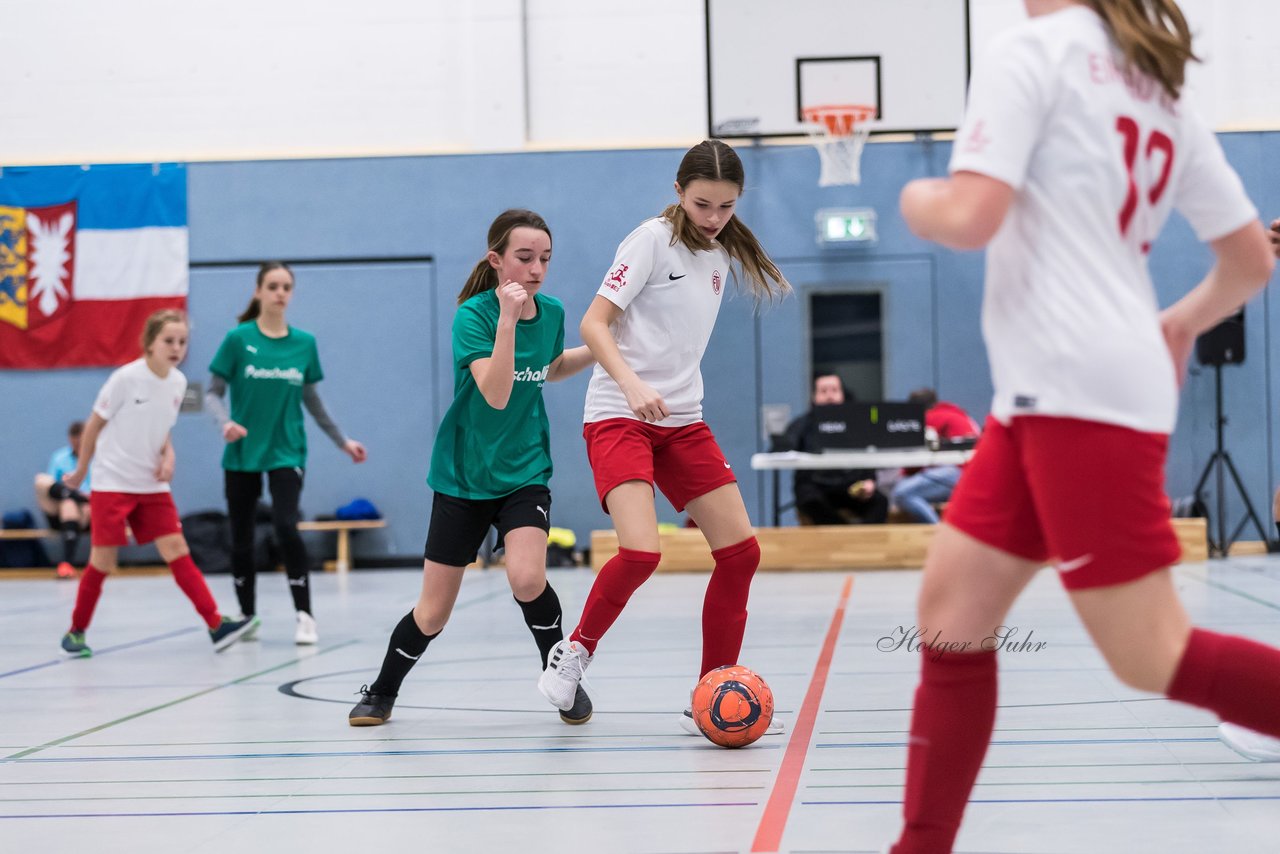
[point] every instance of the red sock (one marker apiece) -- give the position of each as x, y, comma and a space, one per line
951, 725
1237, 679
724, 610
621, 575
191, 580
87, 597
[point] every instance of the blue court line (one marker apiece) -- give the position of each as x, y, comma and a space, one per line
103, 651
1047, 741
1197, 799
488, 751
521, 808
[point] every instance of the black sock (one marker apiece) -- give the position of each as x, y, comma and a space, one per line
59, 491
300, 588
407, 644
542, 616
70, 529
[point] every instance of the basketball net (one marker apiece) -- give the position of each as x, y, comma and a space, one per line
839, 132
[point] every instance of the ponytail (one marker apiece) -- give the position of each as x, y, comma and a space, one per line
251, 312
483, 277
1153, 36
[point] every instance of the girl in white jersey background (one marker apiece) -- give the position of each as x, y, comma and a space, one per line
647, 328
127, 439
1073, 151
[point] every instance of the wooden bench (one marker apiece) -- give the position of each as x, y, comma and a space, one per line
343, 528
839, 547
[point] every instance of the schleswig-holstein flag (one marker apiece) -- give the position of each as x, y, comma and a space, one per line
86, 254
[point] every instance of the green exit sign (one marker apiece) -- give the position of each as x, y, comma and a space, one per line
846, 225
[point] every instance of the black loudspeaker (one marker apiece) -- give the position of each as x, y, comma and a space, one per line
1224, 343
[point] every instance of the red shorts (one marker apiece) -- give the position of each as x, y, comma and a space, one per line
1086, 494
685, 462
150, 515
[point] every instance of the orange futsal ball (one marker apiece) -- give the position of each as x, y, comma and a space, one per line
732, 706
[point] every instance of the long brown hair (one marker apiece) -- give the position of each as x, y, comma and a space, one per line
713, 160
254, 308
484, 277
155, 324
1153, 36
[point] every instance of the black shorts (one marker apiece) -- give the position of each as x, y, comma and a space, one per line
460, 525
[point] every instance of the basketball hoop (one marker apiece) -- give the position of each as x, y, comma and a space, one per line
839, 131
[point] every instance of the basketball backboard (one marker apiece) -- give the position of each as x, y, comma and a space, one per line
767, 61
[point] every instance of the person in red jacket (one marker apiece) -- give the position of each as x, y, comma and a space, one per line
918, 492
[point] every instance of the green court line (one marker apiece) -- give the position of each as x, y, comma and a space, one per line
24, 753
292, 795
1218, 585
117, 781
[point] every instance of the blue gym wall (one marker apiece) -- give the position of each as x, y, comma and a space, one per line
384, 328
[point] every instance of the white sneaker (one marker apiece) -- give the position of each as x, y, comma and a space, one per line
1253, 746
565, 665
306, 634
690, 726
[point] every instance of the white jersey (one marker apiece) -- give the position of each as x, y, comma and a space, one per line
140, 409
669, 297
1099, 157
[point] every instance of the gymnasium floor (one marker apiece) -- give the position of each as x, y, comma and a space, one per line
157, 744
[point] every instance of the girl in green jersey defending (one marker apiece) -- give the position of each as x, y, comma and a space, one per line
492, 457
272, 369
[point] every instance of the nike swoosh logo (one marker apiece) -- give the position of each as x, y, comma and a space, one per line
407, 655
726, 464
673, 276
1075, 564
546, 628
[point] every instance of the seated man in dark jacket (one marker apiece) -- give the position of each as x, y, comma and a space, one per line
830, 496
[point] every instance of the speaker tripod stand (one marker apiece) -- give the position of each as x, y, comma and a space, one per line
1220, 464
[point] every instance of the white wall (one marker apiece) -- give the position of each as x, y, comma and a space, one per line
1234, 88
141, 80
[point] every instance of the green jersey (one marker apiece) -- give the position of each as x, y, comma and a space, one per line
482, 452
265, 377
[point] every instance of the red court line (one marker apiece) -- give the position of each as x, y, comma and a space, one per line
777, 810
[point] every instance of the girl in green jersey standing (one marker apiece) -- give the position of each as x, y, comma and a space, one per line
492, 457
272, 369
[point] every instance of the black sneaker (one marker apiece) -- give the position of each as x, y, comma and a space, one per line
73, 645
229, 631
372, 710
580, 711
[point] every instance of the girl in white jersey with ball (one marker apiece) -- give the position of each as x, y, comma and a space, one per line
648, 328
1074, 149
127, 440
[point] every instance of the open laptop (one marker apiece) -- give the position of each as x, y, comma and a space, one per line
860, 425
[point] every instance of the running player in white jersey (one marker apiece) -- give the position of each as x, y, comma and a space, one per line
1073, 151
648, 328
127, 440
